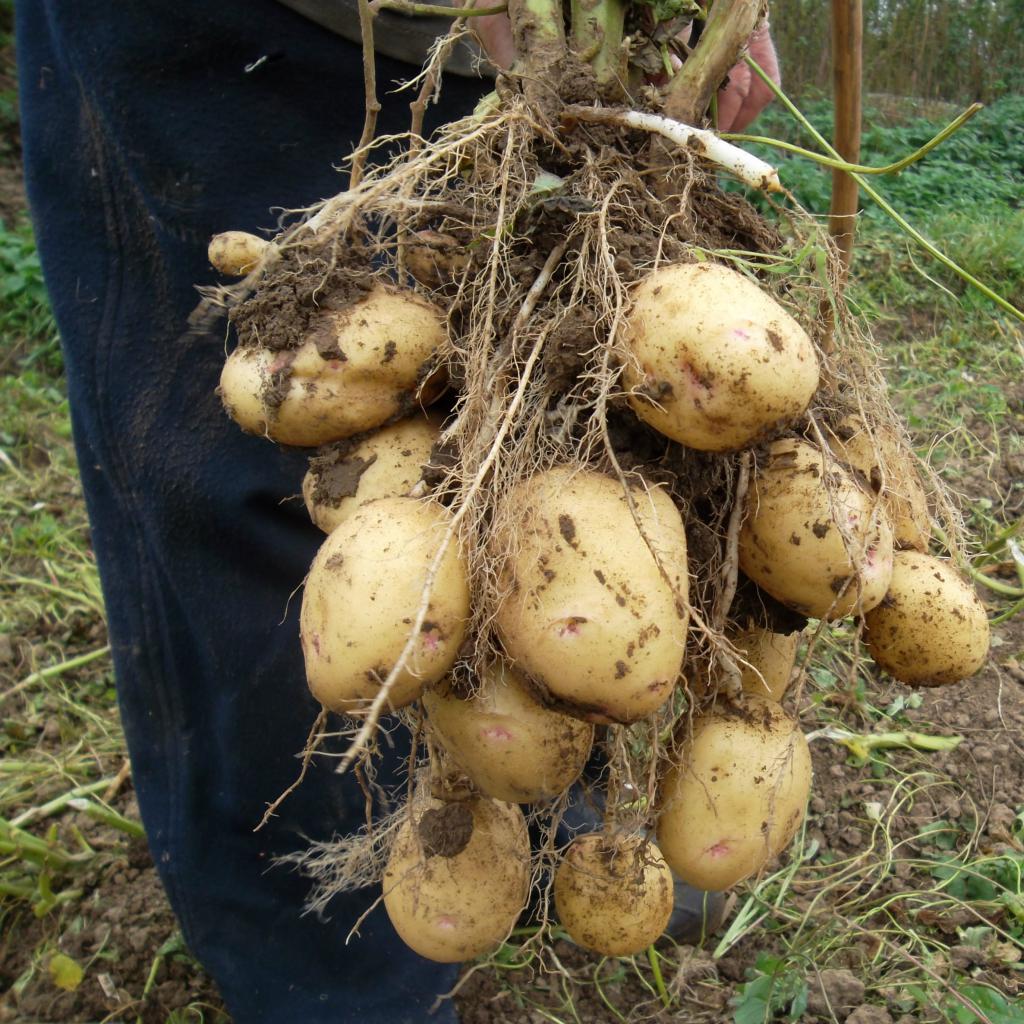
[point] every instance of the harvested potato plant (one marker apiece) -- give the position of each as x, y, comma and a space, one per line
634, 376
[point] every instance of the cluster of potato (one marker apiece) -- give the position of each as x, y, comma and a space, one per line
595, 617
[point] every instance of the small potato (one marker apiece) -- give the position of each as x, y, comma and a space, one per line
236, 253
358, 368
362, 597
613, 894
769, 661
902, 494
510, 745
388, 464
813, 538
931, 629
716, 361
435, 259
737, 796
457, 877
587, 613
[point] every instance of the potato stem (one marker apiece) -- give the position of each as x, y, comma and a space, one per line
596, 37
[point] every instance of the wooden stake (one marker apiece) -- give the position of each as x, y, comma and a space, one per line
847, 55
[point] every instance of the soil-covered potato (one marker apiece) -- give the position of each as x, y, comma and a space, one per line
931, 629
587, 614
812, 537
362, 597
613, 894
357, 368
388, 464
902, 493
457, 877
435, 259
768, 660
509, 744
737, 795
236, 252
715, 360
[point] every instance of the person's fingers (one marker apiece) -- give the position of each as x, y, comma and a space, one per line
757, 94
494, 33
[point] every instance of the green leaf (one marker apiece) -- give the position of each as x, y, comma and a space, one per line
65, 972
753, 1003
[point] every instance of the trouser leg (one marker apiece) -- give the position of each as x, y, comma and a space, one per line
145, 133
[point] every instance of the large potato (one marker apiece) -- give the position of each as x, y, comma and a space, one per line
768, 660
931, 629
613, 894
511, 746
737, 796
813, 537
715, 362
457, 877
902, 494
388, 464
587, 614
362, 597
358, 368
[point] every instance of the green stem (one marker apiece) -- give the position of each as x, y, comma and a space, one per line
870, 190
538, 32
33, 850
596, 38
55, 670
842, 165
57, 804
435, 10
109, 817
1008, 614
659, 981
996, 585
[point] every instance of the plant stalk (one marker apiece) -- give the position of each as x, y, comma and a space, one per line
596, 38
729, 25
539, 35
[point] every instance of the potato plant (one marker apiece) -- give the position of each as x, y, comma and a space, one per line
657, 446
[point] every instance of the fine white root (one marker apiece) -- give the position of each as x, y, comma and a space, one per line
749, 169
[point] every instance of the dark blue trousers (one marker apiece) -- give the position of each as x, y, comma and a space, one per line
144, 134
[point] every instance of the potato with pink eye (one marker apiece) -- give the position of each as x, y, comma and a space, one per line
900, 488
594, 611
356, 368
736, 796
457, 877
713, 361
812, 536
362, 601
931, 629
511, 746
613, 894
